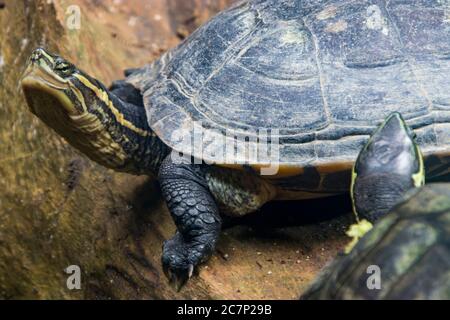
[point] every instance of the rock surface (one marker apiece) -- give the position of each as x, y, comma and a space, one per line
59, 209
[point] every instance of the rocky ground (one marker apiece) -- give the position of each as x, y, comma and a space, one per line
59, 209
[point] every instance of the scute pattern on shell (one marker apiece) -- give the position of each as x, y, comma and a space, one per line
322, 73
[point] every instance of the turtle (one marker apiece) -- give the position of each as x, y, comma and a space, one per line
268, 100
406, 255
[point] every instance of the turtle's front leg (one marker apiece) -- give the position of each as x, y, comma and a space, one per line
196, 216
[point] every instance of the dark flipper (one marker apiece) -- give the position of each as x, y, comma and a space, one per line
196, 216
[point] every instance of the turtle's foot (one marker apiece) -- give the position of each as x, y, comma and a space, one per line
196, 216
180, 258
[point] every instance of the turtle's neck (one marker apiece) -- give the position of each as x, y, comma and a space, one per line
129, 127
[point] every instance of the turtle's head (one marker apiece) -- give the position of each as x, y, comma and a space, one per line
388, 166
81, 110
48, 84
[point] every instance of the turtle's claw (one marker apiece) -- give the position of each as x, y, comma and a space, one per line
177, 261
178, 278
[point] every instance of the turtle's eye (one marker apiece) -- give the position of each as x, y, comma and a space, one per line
63, 67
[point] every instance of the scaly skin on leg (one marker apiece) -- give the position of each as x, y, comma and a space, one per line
196, 216
238, 192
